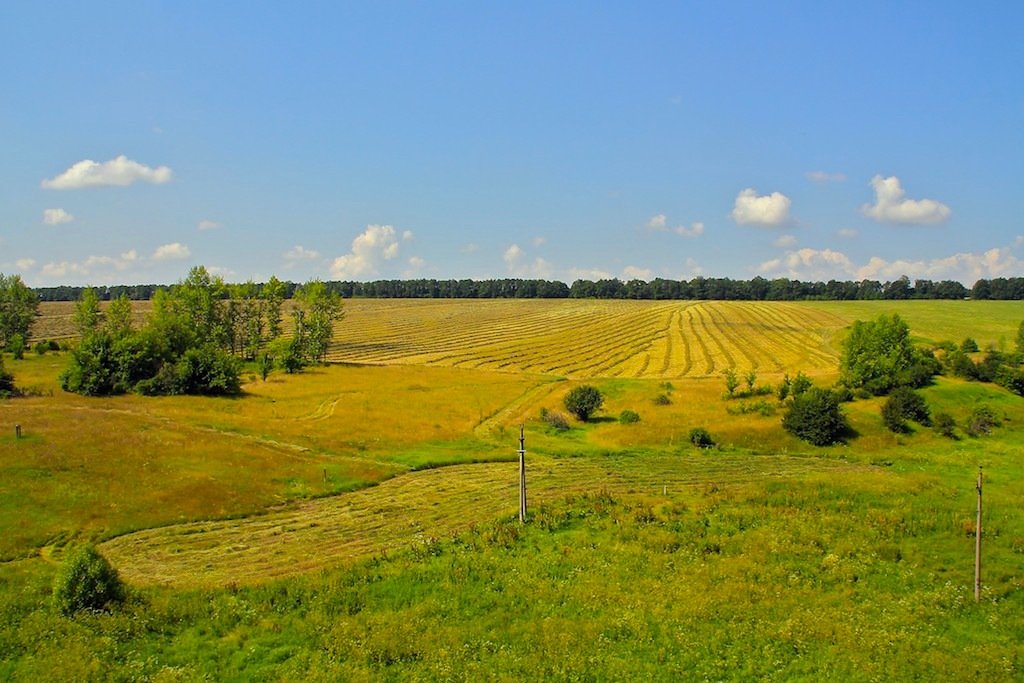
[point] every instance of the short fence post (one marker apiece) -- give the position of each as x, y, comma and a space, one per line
17, 431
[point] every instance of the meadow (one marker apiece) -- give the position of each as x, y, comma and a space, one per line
356, 521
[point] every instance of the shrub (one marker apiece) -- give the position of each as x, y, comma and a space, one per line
816, 417
583, 401
784, 387
555, 420
945, 425
16, 345
86, 581
41, 347
800, 384
904, 404
969, 346
628, 417
701, 438
981, 421
731, 381
6, 380
662, 400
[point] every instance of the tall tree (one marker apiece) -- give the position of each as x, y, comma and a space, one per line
322, 308
87, 315
18, 306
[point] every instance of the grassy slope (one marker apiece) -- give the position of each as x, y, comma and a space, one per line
853, 561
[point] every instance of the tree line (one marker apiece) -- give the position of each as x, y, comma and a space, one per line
706, 288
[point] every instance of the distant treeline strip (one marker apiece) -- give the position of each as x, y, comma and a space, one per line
699, 288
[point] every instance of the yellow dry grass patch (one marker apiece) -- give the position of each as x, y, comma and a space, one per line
410, 509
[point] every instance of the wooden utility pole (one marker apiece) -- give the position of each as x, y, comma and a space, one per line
977, 546
522, 475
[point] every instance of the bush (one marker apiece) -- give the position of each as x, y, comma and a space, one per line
981, 421
6, 380
628, 417
41, 347
945, 425
701, 438
86, 581
16, 345
969, 346
800, 385
555, 420
904, 404
662, 400
816, 417
583, 401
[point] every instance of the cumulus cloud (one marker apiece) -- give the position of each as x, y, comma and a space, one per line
56, 216
589, 274
539, 241
825, 264
25, 263
175, 251
519, 264
696, 229
659, 223
785, 241
891, 207
635, 273
769, 210
207, 224
693, 269
823, 177
89, 266
300, 253
116, 172
376, 244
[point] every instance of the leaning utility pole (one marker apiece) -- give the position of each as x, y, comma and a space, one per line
522, 475
977, 546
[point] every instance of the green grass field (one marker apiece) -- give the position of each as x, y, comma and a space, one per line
357, 522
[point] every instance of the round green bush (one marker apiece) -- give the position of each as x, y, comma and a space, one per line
701, 438
86, 581
628, 417
583, 401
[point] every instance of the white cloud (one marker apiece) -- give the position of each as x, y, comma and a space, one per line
25, 263
658, 223
770, 210
90, 265
300, 253
416, 262
416, 265
207, 224
823, 177
589, 274
225, 273
116, 172
812, 264
470, 248
514, 259
176, 251
539, 241
847, 233
56, 216
635, 273
374, 245
696, 229
891, 207
785, 241
693, 268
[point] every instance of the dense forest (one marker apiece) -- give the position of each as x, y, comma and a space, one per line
721, 289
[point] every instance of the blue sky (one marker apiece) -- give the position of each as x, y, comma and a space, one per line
361, 141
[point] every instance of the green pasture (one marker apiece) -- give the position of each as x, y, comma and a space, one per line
358, 523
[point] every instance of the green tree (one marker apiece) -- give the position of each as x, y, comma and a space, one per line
731, 381
87, 312
879, 355
815, 416
201, 301
273, 293
6, 380
86, 581
18, 307
583, 401
1020, 339
118, 320
322, 308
